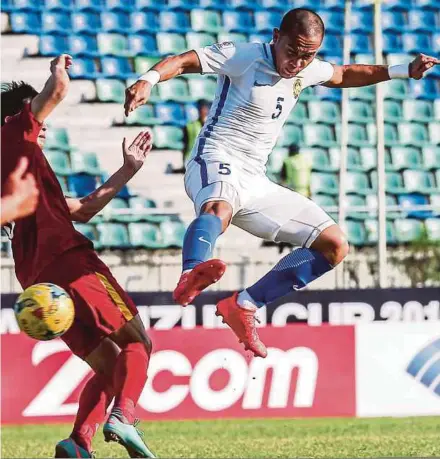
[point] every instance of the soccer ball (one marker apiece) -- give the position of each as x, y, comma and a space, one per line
44, 311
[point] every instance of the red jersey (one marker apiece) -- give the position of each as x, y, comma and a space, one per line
43, 236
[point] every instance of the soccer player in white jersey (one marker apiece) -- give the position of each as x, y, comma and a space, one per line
258, 85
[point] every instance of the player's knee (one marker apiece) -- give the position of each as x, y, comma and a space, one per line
221, 209
333, 244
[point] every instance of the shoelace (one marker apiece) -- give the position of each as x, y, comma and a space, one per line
140, 432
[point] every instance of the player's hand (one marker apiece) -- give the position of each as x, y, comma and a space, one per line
136, 95
421, 64
62, 62
137, 152
22, 188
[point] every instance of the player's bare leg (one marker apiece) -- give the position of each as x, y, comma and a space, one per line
199, 272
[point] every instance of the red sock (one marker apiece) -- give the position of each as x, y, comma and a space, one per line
93, 403
130, 378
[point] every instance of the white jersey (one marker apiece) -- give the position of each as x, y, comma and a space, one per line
252, 101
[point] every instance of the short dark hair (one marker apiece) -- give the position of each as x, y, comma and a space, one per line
203, 103
302, 21
13, 97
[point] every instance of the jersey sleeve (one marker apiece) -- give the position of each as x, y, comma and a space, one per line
227, 58
318, 72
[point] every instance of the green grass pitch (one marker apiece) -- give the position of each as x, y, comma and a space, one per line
314, 438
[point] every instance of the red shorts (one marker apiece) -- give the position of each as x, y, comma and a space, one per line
101, 305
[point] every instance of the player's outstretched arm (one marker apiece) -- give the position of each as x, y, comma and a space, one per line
82, 210
349, 76
55, 89
139, 93
20, 194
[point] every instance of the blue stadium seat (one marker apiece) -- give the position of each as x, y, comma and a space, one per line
313, 4
423, 89
53, 45
416, 43
144, 22
174, 21
150, 5
89, 5
397, 5
393, 21
84, 69
185, 5
213, 4
362, 21
427, 4
361, 43
191, 112
334, 21
266, 21
321, 92
243, 5
264, 37
83, 45
392, 43
409, 200
436, 42
333, 5
26, 5
86, 22
61, 5
115, 21
81, 184
142, 44
421, 21
171, 113
277, 5
120, 5
237, 21
29, 23
116, 67
125, 192
331, 44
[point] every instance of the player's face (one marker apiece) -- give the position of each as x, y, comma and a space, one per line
42, 136
294, 53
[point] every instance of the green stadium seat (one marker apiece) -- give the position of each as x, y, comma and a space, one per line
308, 94
324, 111
197, 40
171, 43
142, 64
434, 132
89, 231
232, 36
206, 21
395, 89
394, 182
85, 162
141, 207
356, 233
173, 232
110, 211
419, 181
202, 88
391, 137
431, 157
418, 110
143, 116
324, 183
413, 133
175, 89
368, 158
357, 182
290, 134
432, 226
409, 230
112, 44
298, 115
357, 135
372, 204
434, 200
372, 229
113, 236
65, 189
325, 201
145, 235
436, 109
361, 58
59, 161
57, 139
355, 160
110, 91
360, 111
276, 160
367, 93
168, 137
319, 135
320, 159
406, 158
392, 111
354, 200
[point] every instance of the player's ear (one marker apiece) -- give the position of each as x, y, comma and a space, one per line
276, 35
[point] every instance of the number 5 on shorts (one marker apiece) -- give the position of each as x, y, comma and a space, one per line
224, 169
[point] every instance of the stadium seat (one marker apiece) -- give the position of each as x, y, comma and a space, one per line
356, 233
192, 112
393, 185
411, 200
242, 5
86, 22
83, 69
23, 5
81, 184
170, 113
27, 23
432, 226
333, 5
392, 43
324, 183
141, 206
145, 235
83, 45
367, 93
423, 89
434, 132
168, 137
436, 42
237, 21
396, 5
331, 45
202, 88
326, 202
116, 67
416, 43
144, 22
427, 4
151, 5
61, 5
393, 111
419, 181
113, 236
406, 158
89, 231
185, 5
196, 40
323, 93
232, 36
206, 21
364, 59
264, 37
214, 5
112, 44
361, 43
57, 139
391, 135
89, 5
53, 45
319, 135
372, 204
368, 157
436, 108
434, 200
413, 134
431, 157
174, 21
173, 233
324, 111
395, 89
393, 21
59, 161
170, 43
354, 200
357, 135
86, 162
320, 159
298, 115
143, 116
110, 211
63, 184
265, 21
399, 58
360, 112
142, 64
290, 134
372, 229
113, 21
334, 21
362, 21
409, 230
421, 21
418, 110
358, 183
120, 5
55, 22
142, 44
175, 89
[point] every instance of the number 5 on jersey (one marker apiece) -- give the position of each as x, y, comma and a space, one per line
278, 108
224, 169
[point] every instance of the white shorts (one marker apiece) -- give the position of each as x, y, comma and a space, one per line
260, 206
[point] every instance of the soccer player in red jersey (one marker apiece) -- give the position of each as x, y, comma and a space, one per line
107, 331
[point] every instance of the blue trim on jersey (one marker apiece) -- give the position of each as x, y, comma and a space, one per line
265, 50
207, 132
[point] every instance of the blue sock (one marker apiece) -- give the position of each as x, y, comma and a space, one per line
295, 270
199, 240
